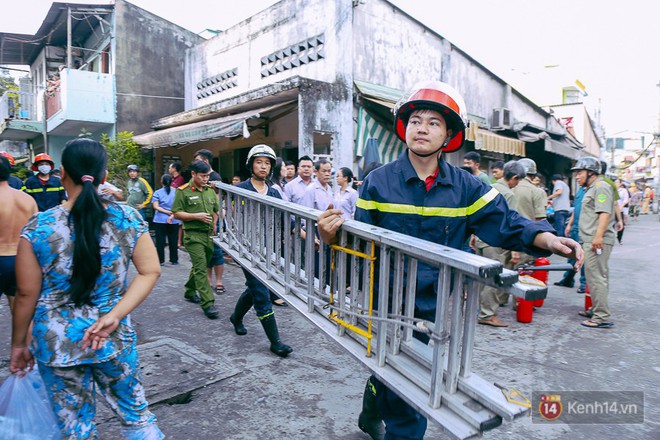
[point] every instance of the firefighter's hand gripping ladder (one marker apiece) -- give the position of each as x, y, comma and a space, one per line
334, 288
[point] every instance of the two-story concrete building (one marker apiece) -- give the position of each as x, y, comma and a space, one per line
101, 68
311, 77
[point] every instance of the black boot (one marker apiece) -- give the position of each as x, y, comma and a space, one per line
369, 420
569, 278
270, 327
243, 305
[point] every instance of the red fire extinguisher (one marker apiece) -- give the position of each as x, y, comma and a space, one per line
541, 275
524, 311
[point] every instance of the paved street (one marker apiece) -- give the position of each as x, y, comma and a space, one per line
207, 383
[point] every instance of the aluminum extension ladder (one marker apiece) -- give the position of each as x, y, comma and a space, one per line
333, 288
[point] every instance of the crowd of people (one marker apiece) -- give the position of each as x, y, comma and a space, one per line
73, 319
71, 245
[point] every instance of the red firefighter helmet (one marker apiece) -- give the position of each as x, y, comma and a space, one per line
438, 96
43, 157
9, 157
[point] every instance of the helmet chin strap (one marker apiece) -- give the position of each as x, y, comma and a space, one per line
431, 153
590, 174
427, 154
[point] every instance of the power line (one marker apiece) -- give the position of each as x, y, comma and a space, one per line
640, 155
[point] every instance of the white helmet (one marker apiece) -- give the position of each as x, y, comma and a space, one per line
261, 150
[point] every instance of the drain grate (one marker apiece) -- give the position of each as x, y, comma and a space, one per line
172, 368
171, 371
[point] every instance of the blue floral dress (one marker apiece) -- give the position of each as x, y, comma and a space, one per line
73, 375
59, 325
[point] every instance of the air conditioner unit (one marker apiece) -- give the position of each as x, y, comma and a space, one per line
501, 119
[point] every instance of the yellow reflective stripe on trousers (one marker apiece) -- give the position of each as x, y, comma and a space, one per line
428, 211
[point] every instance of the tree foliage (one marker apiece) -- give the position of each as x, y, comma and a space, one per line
123, 151
7, 82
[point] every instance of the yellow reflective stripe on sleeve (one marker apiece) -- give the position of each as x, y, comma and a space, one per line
428, 211
61, 188
30, 190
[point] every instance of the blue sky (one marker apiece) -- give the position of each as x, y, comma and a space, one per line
611, 47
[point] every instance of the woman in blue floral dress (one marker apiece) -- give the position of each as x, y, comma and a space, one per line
71, 272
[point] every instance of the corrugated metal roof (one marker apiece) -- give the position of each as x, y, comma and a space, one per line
229, 126
23, 49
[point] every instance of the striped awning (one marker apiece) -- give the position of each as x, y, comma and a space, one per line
485, 140
390, 146
488, 141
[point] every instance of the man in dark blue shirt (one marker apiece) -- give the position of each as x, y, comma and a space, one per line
46, 189
260, 163
13, 181
420, 194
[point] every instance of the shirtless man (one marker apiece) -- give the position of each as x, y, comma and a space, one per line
15, 210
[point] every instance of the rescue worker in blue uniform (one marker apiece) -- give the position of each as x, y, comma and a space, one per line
46, 189
14, 182
260, 163
419, 194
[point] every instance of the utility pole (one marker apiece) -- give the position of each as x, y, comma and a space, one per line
69, 42
656, 152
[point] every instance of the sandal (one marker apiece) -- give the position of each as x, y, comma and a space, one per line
585, 313
279, 302
219, 290
593, 324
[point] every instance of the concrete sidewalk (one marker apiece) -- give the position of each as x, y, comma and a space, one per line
205, 382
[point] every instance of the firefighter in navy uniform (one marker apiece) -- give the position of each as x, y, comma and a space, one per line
46, 189
14, 182
196, 205
420, 194
260, 164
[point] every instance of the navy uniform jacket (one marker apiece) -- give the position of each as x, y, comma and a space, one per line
46, 195
250, 279
16, 183
247, 184
456, 206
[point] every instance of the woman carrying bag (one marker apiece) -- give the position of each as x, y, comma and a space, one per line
71, 271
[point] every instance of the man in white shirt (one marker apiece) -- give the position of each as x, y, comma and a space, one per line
623, 202
294, 190
561, 203
318, 195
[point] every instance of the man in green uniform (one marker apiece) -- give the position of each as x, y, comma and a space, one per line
138, 189
531, 201
597, 234
196, 204
490, 298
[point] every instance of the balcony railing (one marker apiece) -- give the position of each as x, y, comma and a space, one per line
53, 103
18, 105
81, 98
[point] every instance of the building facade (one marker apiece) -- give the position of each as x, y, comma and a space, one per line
93, 68
318, 78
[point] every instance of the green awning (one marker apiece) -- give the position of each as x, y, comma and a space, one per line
389, 145
383, 95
